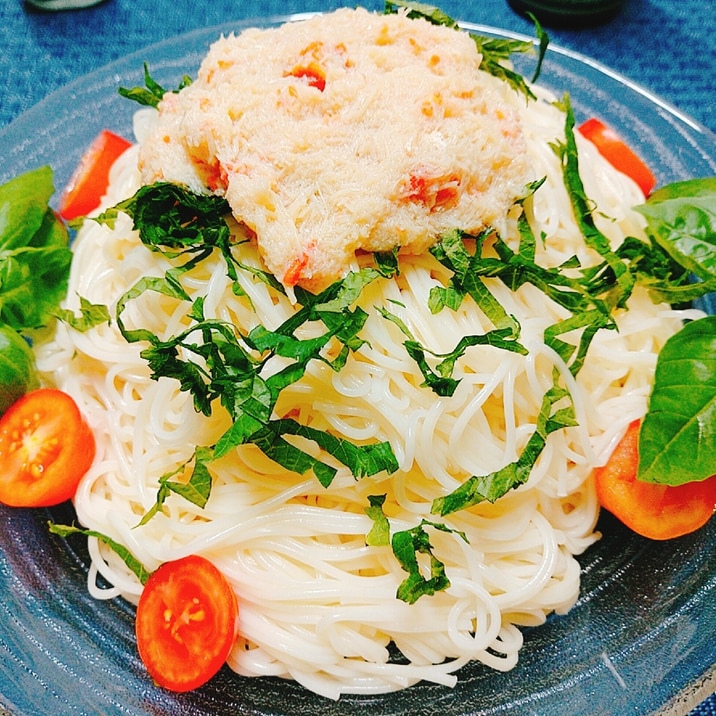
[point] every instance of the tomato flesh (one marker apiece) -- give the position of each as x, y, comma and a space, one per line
45, 449
90, 179
186, 623
312, 73
655, 511
613, 148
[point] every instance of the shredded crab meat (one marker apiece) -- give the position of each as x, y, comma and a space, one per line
347, 132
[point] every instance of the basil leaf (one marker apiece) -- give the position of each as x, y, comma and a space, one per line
451, 252
213, 361
33, 281
175, 221
494, 51
579, 295
431, 13
23, 206
91, 314
362, 460
583, 210
151, 94
705, 188
168, 285
34, 253
439, 379
379, 535
677, 440
681, 218
406, 545
18, 373
495, 68
479, 488
127, 557
386, 262
543, 39
196, 490
665, 279
271, 442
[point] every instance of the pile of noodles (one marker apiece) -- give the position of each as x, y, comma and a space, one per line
316, 603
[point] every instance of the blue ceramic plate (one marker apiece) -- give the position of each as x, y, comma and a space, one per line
641, 639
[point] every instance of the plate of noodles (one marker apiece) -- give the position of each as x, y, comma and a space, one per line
634, 630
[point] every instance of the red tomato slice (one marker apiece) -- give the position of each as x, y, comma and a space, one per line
186, 623
613, 148
655, 511
90, 179
45, 449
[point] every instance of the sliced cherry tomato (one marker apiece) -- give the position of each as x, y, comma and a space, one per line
186, 623
90, 179
613, 148
45, 449
655, 511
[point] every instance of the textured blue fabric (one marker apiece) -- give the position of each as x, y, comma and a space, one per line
667, 46
707, 708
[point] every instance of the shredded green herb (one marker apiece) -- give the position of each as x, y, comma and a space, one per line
439, 379
151, 94
196, 490
127, 557
227, 366
379, 534
407, 545
495, 51
556, 412
90, 315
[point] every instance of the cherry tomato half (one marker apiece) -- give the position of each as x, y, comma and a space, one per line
655, 511
90, 179
45, 449
613, 148
186, 623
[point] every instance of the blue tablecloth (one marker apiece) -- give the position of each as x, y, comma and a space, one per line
667, 46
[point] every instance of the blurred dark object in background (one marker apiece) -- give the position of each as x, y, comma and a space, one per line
571, 14
52, 5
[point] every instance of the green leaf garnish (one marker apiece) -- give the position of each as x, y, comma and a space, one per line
379, 534
214, 362
91, 315
428, 12
556, 412
515, 268
406, 545
494, 51
452, 253
127, 557
439, 379
676, 439
151, 94
681, 218
583, 210
196, 490
34, 251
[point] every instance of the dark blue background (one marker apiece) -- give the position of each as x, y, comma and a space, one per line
666, 46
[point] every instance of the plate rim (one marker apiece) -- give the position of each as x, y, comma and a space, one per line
258, 21
213, 30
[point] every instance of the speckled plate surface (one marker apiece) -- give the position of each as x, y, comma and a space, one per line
641, 639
